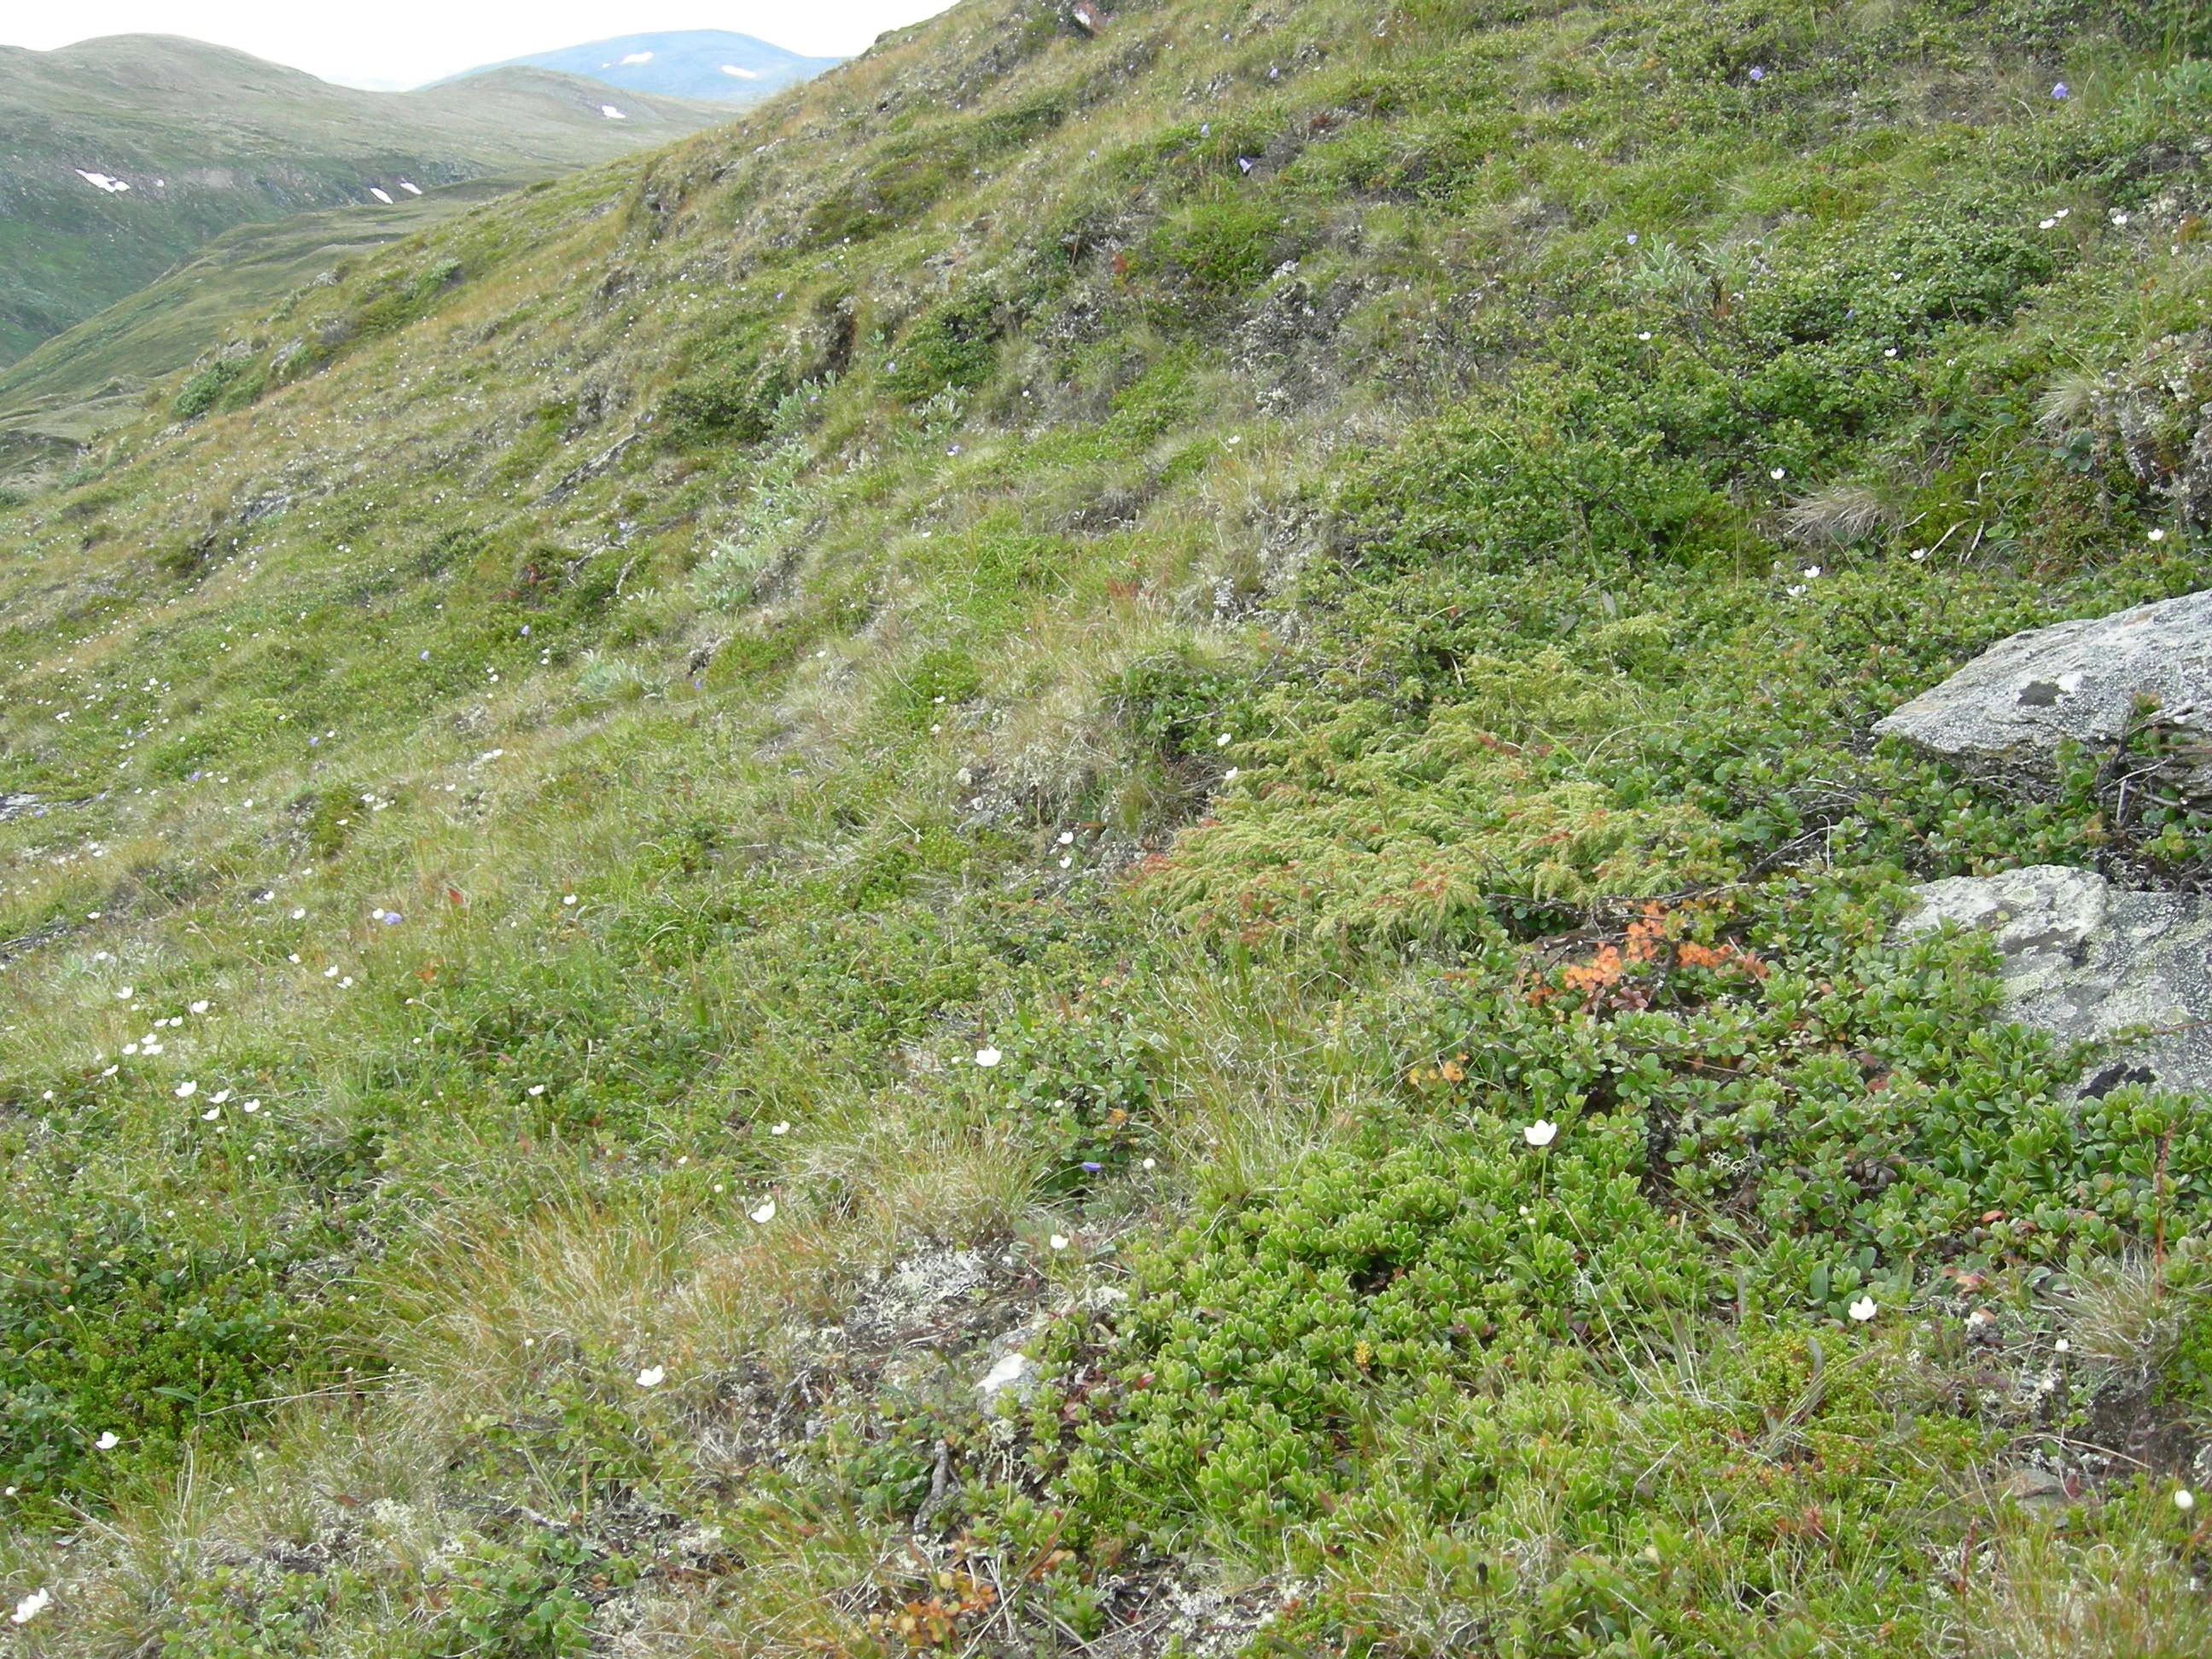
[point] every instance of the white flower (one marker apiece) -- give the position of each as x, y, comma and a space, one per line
1645, 335
651, 1376
199, 1007
2119, 218
187, 1090
1058, 1240
1917, 555
2046, 224
1223, 741
109, 1441
1229, 776
783, 1128
299, 915
219, 1097
987, 1057
2184, 1500
1811, 573
569, 899
1780, 474
211, 1114
536, 1089
125, 995
2064, 1346
1541, 1133
2158, 535
329, 973
251, 1106
1067, 863
1067, 838
1863, 1309
764, 1212
31, 1605
1150, 1164
1796, 590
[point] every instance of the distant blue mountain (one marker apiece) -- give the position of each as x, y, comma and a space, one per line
730, 69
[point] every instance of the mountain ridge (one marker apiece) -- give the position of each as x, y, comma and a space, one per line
119, 155
710, 64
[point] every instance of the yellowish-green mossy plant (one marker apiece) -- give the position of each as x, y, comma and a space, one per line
1178, 716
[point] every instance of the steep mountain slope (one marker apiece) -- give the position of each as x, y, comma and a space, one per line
1176, 718
120, 156
711, 64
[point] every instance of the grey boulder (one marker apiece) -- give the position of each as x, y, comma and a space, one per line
2085, 960
2018, 699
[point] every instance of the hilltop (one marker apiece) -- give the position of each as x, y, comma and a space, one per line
1079, 846
711, 64
120, 156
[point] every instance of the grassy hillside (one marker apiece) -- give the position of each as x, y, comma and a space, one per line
1191, 704
206, 138
92, 378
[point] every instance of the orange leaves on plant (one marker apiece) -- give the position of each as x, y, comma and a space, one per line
1627, 975
933, 1621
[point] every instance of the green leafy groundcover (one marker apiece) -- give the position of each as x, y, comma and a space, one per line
1320, 598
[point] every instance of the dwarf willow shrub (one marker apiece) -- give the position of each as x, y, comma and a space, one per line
1240, 1368
230, 384
114, 1323
953, 347
1772, 1135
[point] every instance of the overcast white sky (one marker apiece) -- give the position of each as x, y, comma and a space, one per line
408, 42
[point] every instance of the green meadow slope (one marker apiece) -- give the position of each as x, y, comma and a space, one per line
88, 379
120, 156
1179, 717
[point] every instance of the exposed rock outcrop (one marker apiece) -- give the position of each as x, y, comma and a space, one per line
2018, 701
2084, 959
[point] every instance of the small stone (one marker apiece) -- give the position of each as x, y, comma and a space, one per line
1016, 1371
